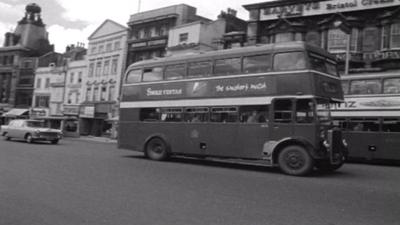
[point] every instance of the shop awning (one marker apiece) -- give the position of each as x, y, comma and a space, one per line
16, 113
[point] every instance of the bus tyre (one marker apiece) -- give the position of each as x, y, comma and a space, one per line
295, 160
325, 166
156, 149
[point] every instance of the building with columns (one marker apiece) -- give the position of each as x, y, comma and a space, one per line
106, 59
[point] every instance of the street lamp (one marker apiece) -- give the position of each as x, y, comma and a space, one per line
346, 29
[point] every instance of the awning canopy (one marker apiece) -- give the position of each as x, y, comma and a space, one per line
16, 113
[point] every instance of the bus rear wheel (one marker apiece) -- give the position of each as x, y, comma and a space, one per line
156, 149
295, 160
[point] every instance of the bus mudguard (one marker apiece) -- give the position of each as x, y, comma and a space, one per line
157, 135
271, 148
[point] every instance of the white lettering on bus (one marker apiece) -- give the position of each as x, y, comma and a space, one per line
241, 87
150, 92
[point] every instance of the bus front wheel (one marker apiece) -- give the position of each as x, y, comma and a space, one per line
156, 149
295, 160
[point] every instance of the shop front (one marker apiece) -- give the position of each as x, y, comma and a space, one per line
94, 119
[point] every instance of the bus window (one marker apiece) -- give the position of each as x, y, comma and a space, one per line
360, 124
283, 111
289, 61
171, 115
257, 64
224, 114
149, 114
391, 86
253, 114
304, 111
199, 69
153, 74
197, 114
391, 125
345, 87
134, 76
175, 72
227, 66
360, 87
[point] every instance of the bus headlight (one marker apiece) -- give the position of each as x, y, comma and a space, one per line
344, 142
326, 144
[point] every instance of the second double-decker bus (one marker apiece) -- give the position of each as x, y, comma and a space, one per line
370, 116
264, 104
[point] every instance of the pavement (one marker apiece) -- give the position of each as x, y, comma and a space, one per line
94, 139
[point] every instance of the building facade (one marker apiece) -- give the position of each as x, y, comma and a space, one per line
49, 85
205, 35
106, 59
373, 28
148, 33
18, 59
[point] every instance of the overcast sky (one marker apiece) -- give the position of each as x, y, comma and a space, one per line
72, 21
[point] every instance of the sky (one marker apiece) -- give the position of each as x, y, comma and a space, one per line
72, 21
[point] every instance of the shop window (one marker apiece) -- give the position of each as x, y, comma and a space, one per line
224, 114
289, 61
175, 72
227, 66
199, 69
153, 74
391, 86
360, 87
257, 64
71, 125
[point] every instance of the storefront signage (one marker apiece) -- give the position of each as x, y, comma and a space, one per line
380, 55
323, 7
37, 112
369, 103
71, 110
148, 43
87, 111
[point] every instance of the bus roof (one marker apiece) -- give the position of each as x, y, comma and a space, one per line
278, 47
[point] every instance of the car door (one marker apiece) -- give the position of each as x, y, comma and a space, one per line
12, 128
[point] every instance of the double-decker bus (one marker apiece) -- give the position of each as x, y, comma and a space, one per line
370, 116
264, 104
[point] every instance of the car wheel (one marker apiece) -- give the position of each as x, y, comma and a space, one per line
54, 142
29, 138
7, 138
295, 160
156, 149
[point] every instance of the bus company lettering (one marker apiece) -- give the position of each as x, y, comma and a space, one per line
151, 92
290, 10
241, 87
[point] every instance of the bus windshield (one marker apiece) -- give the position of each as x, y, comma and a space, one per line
323, 110
323, 64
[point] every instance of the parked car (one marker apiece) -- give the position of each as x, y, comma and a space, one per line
30, 130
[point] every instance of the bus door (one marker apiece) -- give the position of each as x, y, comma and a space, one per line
282, 119
305, 119
253, 130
